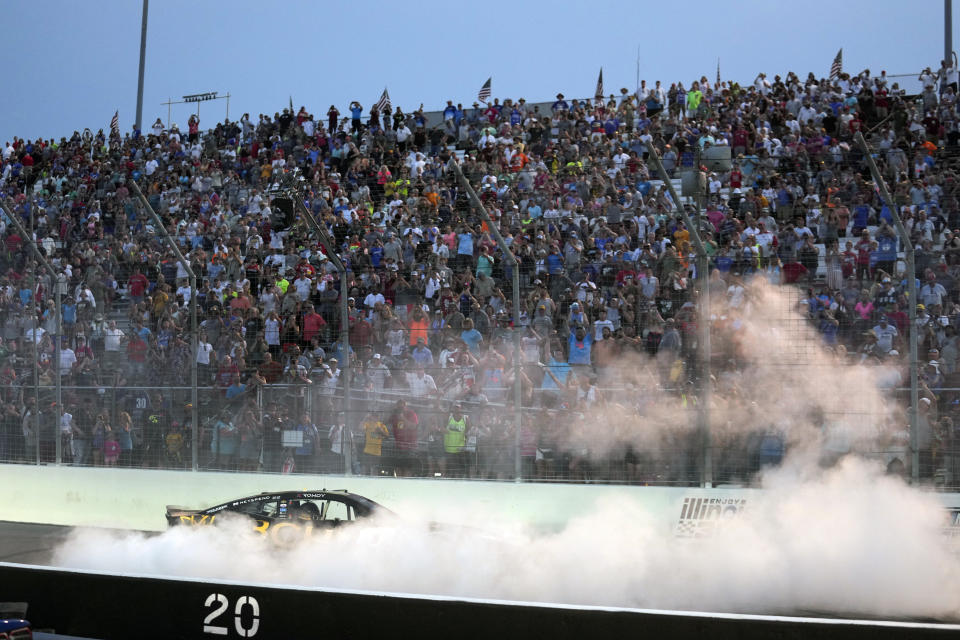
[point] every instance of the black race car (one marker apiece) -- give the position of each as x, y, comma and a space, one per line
285, 515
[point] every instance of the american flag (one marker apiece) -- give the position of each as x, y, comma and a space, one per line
837, 67
485, 91
599, 92
383, 104
115, 124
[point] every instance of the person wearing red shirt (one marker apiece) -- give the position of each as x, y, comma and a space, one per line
361, 332
136, 356
736, 177
404, 423
270, 369
14, 242
137, 286
313, 324
228, 369
793, 272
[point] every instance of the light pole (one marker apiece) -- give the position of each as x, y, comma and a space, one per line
948, 31
143, 59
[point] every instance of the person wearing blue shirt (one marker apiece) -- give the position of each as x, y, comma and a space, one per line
861, 217
421, 354
464, 250
356, 111
450, 112
554, 262
471, 336
560, 104
581, 342
236, 388
68, 311
556, 373
376, 255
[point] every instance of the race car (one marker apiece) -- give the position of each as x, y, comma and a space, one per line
285, 515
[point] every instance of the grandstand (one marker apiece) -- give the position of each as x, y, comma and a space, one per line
615, 382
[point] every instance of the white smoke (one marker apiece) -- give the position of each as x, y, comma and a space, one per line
846, 539
850, 541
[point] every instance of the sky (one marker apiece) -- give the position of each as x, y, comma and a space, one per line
71, 65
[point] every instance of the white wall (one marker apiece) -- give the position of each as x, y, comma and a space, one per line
136, 499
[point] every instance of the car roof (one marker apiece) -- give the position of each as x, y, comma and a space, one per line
299, 494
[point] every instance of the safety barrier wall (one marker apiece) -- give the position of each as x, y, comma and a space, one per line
136, 499
116, 606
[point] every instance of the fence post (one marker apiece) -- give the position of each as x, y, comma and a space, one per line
514, 265
346, 369
194, 339
55, 284
912, 294
703, 275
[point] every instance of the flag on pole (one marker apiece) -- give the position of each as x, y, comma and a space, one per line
485, 91
383, 104
599, 92
115, 124
837, 67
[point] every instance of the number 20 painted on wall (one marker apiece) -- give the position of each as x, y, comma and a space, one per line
224, 604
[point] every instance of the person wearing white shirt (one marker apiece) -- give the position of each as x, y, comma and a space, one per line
303, 285
371, 301
421, 383
600, 324
67, 359
807, 114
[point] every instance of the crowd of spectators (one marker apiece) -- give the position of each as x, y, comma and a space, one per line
604, 263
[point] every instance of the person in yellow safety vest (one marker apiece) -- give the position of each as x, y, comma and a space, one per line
401, 187
282, 282
454, 440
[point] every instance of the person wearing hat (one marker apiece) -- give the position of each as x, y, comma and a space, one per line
560, 106
887, 335
377, 373
932, 292
923, 318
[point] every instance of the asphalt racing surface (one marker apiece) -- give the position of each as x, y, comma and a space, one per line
30, 543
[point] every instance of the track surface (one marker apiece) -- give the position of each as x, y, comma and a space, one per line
30, 543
